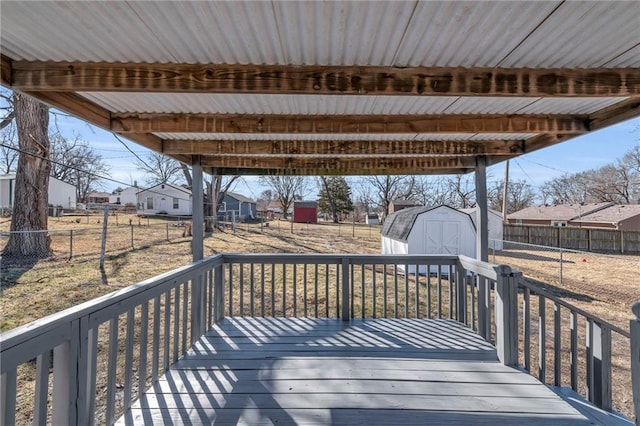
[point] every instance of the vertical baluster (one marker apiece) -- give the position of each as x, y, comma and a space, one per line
473, 282
542, 339
634, 331
284, 290
155, 362
273, 290
231, 290
167, 329
406, 290
185, 317
41, 393
211, 300
374, 291
526, 328
362, 294
8, 391
450, 280
92, 373
326, 290
384, 291
144, 330
219, 293
262, 289
251, 289
557, 342
417, 279
347, 287
352, 293
574, 351
338, 290
315, 289
304, 289
128, 363
395, 291
427, 284
295, 291
439, 291
111, 371
176, 324
241, 287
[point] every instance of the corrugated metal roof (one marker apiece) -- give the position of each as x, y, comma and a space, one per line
344, 137
341, 104
408, 33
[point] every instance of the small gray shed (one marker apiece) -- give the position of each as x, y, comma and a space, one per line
429, 230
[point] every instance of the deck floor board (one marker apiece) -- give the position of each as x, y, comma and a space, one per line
323, 371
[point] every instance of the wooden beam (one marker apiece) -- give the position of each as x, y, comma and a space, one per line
356, 80
244, 123
342, 147
5, 70
615, 113
337, 163
76, 106
314, 171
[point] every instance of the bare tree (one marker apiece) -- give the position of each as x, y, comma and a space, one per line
519, 196
8, 149
286, 189
159, 168
389, 188
216, 190
32, 181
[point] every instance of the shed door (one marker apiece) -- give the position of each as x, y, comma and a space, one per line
443, 237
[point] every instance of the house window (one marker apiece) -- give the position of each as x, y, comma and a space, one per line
149, 203
560, 224
223, 207
176, 203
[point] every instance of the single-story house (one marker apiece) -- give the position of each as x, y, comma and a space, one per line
429, 230
98, 198
554, 215
127, 196
397, 205
242, 207
164, 199
60, 193
622, 217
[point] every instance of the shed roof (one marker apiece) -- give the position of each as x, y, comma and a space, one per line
612, 214
340, 87
309, 204
558, 211
158, 188
240, 197
398, 225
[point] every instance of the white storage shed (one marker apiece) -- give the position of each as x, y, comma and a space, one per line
429, 230
496, 226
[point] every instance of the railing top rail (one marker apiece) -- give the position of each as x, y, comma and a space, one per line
336, 258
35, 328
548, 295
486, 269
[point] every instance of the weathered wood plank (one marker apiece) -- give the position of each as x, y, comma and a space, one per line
371, 80
348, 123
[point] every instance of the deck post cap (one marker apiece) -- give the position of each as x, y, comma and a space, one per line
635, 308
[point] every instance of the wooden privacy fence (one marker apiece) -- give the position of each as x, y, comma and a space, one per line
108, 351
584, 239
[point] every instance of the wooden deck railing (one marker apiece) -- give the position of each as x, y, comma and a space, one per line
108, 351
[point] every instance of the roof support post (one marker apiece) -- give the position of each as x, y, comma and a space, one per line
197, 244
482, 222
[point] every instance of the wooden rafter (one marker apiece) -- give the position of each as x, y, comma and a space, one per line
315, 171
104, 77
342, 147
244, 123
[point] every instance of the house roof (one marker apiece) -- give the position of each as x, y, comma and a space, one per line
404, 203
339, 87
557, 211
240, 197
398, 225
612, 214
158, 188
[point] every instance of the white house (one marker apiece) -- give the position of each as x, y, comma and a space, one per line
429, 230
61, 194
495, 226
127, 196
371, 219
164, 198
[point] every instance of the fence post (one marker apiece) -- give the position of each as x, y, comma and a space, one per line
634, 329
131, 236
345, 290
103, 243
506, 315
70, 244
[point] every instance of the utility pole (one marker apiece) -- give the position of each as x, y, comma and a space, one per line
505, 192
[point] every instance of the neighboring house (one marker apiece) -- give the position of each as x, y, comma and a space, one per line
397, 205
495, 226
164, 198
61, 194
98, 198
429, 230
371, 219
242, 207
127, 196
305, 211
625, 217
555, 215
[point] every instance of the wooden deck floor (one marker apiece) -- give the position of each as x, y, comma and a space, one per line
317, 371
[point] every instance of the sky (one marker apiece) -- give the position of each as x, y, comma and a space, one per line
582, 153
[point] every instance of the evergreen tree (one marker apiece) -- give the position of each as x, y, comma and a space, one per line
334, 197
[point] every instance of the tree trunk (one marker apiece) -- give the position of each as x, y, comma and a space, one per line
32, 182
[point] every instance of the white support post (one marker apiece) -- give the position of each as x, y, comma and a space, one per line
482, 239
197, 210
